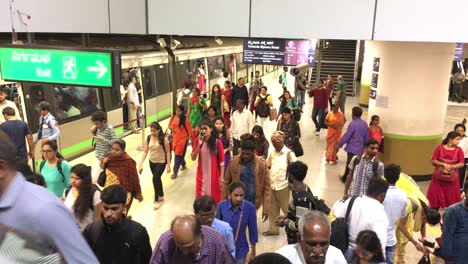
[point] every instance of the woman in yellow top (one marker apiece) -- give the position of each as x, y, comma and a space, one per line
335, 121
263, 104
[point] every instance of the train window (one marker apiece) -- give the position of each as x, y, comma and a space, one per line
215, 66
162, 79
181, 72
148, 82
75, 101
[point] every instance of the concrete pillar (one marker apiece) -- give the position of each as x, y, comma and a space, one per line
411, 100
366, 74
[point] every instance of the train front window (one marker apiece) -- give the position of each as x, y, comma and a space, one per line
75, 101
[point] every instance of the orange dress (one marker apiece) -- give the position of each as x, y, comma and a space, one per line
180, 135
334, 134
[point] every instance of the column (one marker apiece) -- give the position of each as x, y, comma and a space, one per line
411, 94
366, 74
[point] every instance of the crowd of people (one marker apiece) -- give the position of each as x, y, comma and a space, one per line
79, 214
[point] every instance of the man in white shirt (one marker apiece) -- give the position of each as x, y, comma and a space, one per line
278, 162
395, 207
314, 244
223, 79
242, 123
367, 213
133, 103
7, 103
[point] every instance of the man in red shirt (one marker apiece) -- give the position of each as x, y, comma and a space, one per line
320, 109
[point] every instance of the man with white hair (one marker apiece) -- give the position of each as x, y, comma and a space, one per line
314, 242
340, 93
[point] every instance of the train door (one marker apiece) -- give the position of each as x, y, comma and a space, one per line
149, 91
181, 72
163, 90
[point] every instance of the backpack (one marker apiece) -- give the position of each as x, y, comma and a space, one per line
375, 165
263, 108
148, 138
91, 202
339, 237
59, 168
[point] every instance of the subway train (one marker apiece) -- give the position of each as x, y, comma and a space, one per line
160, 73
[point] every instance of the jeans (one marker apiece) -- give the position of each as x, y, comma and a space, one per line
348, 160
317, 118
300, 95
157, 169
179, 160
240, 261
389, 253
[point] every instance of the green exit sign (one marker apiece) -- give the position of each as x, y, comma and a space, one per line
74, 67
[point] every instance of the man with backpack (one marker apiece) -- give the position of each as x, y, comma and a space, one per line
115, 238
263, 106
362, 169
365, 212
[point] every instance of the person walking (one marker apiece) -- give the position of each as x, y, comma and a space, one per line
196, 106
240, 214
461, 129
354, 138
4, 103
368, 249
262, 146
263, 105
320, 107
227, 103
254, 92
48, 126
133, 104
54, 168
335, 121
278, 163
181, 131
210, 170
283, 78
239, 92
19, 133
291, 130
242, 123
82, 197
224, 134
287, 102
375, 131
121, 169
115, 238
157, 145
216, 99
340, 99
103, 134
330, 87
447, 159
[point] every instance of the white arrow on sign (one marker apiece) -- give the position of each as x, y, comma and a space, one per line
100, 68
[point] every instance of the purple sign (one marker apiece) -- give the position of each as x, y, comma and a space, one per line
279, 52
459, 52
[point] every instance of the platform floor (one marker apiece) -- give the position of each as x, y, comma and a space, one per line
322, 178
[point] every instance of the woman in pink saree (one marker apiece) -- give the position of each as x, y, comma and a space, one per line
335, 121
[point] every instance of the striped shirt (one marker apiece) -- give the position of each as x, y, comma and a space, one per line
362, 174
101, 147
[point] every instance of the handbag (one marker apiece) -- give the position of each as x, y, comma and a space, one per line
298, 150
440, 175
273, 114
102, 178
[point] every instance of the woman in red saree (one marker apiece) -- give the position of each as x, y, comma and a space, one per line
447, 159
226, 103
121, 169
335, 121
210, 153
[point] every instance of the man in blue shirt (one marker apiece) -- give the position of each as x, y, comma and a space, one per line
18, 131
26, 206
48, 126
205, 209
455, 231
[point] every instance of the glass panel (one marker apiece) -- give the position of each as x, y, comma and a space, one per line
149, 89
74, 101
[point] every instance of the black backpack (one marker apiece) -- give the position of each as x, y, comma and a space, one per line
59, 168
339, 229
91, 202
375, 165
263, 108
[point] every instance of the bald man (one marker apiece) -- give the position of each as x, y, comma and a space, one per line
190, 242
314, 242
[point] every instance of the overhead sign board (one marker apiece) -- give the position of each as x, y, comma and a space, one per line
49, 65
279, 51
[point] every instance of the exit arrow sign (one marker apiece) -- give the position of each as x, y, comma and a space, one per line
74, 67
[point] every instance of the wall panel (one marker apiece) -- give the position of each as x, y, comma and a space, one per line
128, 17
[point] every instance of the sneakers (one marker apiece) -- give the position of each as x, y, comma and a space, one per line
173, 176
317, 133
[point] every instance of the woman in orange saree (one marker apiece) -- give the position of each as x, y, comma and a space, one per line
335, 121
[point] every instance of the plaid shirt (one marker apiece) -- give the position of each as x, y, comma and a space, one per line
214, 250
362, 175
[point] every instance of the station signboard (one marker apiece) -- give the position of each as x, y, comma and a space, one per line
59, 66
279, 51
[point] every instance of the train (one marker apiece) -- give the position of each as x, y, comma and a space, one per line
160, 74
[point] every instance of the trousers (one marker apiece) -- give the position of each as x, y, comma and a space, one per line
279, 200
179, 161
317, 118
348, 160
157, 169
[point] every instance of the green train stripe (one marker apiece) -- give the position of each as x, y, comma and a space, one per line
417, 138
118, 131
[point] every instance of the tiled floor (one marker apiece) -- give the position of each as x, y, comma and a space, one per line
321, 177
